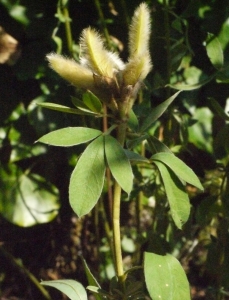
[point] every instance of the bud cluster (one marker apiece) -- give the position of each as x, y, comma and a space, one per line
102, 72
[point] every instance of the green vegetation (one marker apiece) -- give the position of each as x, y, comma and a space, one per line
133, 155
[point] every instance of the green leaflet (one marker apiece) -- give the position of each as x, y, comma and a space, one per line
66, 109
70, 136
71, 288
177, 197
92, 102
87, 178
118, 163
171, 282
178, 167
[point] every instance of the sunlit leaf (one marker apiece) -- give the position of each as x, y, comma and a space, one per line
176, 195
165, 277
157, 112
178, 167
92, 102
214, 51
70, 136
27, 199
118, 163
71, 288
87, 179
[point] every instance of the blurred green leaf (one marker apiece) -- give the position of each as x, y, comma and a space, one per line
200, 134
87, 178
71, 288
218, 109
171, 282
214, 51
70, 136
187, 87
27, 199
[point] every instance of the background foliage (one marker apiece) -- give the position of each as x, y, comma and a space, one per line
39, 233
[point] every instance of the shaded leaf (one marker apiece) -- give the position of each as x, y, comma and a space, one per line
87, 178
178, 167
171, 282
70, 136
157, 112
71, 288
218, 109
156, 145
118, 163
135, 157
176, 195
134, 142
92, 102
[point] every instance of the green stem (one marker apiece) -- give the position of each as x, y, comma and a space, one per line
103, 23
68, 29
121, 135
168, 44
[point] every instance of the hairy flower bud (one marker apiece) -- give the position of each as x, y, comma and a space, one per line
95, 56
139, 33
137, 69
71, 71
